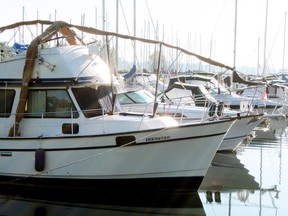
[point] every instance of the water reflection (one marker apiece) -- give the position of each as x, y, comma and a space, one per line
103, 203
226, 175
252, 182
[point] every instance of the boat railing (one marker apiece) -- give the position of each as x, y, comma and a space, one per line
186, 103
68, 117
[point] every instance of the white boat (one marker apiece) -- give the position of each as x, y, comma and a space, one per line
229, 98
58, 126
142, 101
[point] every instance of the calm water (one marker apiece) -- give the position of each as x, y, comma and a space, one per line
253, 181
256, 184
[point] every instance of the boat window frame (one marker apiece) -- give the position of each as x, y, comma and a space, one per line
101, 105
47, 105
8, 102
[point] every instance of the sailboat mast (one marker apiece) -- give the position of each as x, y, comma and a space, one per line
258, 62
117, 31
284, 44
265, 38
235, 43
235, 35
103, 19
23, 15
134, 60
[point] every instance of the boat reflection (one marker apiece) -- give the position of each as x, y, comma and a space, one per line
103, 203
227, 174
230, 188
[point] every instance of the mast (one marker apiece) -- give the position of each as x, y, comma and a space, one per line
265, 38
23, 14
103, 19
134, 59
117, 31
284, 44
157, 81
235, 42
235, 36
96, 18
258, 62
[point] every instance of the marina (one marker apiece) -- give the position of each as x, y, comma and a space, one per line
79, 137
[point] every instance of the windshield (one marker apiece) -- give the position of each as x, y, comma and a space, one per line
93, 101
141, 96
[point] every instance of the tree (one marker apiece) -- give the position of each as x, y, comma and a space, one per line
4, 51
153, 61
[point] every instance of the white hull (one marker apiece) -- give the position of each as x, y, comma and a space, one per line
157, 154
239, 132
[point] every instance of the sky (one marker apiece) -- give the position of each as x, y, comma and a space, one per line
206, 27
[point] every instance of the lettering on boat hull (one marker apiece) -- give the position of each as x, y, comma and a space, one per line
6, 154
153, 139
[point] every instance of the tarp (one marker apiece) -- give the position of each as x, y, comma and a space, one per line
101, 32
131, 73
238, 79
20, 47
66, 30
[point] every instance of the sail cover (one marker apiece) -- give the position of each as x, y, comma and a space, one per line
130, 74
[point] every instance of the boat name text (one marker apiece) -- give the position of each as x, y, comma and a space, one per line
6, 154
158, 138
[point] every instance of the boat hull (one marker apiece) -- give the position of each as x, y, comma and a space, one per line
239, 131
175, 158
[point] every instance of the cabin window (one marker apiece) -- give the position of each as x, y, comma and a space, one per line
125, 140
69, 128
6, 102
50, 104
93, 101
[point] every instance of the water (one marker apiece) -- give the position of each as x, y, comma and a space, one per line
261, 188
253, 181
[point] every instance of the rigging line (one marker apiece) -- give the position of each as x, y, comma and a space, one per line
217, 21
174, 62
87, 158
127, 28
13, 36
219, 16
269, 54
124, 17
155, 31
97, 54
28, 27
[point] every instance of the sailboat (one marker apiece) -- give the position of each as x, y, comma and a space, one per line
60, 128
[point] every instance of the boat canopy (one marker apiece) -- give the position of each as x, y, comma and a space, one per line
67, 32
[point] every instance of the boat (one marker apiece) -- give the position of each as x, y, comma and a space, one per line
229, 98
185, 110
60, 127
